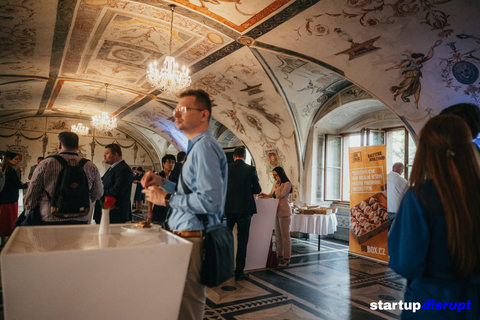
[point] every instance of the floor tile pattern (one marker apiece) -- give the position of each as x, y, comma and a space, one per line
325, 284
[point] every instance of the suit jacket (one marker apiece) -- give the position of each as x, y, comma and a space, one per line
117, 183
242, 185
282, 193
175, 174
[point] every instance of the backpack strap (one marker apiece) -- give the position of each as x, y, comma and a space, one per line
60, 159
82, 162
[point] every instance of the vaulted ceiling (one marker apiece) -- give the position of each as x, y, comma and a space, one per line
270, 65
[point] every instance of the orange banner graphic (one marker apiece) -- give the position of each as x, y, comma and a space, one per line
368, 202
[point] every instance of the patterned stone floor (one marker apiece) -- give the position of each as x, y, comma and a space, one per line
328, 284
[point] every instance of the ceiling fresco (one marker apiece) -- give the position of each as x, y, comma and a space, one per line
21, 96
90, 98
273, 67
306, 87
26, 33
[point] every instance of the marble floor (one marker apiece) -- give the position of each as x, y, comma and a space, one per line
328, 284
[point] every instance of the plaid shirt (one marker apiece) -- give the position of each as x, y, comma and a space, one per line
44, 178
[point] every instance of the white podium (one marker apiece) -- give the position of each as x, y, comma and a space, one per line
69, 272
261, 227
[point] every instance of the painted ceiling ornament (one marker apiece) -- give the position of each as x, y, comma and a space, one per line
465, 72
103, 122
247, 41
356, 49
462, 67
411, 72
170, 80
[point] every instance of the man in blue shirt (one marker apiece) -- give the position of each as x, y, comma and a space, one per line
205, 174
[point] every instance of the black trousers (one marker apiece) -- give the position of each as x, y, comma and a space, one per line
243, 232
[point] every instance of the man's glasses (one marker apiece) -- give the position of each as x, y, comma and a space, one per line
183, 110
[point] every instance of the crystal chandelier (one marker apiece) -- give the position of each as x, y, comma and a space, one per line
169, 80
103, 122
80, 129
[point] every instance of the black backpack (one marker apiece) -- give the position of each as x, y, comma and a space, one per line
71, 196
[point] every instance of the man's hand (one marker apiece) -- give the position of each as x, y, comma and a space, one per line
151, 179
155, 195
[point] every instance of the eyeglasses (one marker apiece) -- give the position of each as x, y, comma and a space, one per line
183, 110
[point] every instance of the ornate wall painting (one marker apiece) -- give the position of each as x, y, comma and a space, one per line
24, 49
273, 159
20, 148
35, 124
411, 65
460, 70
21, 95
353, 94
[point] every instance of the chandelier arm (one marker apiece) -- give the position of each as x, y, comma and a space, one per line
171, 30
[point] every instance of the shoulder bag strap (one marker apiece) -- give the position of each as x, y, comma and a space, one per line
202, 217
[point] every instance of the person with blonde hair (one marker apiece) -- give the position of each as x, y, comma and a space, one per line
434, 241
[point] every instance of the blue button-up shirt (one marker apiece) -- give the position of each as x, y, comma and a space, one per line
205, 173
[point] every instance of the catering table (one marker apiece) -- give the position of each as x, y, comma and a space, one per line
70, 272
261, 227
321, 224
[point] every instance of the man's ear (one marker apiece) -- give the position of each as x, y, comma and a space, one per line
59, 145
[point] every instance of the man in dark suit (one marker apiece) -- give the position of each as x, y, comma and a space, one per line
175, 174
240, 204
117, 183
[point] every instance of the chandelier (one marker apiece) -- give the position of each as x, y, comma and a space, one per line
80, 129
169, 80
103, 122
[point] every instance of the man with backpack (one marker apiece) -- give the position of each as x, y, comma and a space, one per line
64, 187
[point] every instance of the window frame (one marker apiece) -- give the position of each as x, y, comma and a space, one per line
364, 141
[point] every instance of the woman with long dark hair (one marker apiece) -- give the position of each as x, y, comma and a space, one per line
9, 195
434, 241
281, 190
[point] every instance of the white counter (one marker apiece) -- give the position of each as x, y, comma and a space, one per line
69, 272
261, 227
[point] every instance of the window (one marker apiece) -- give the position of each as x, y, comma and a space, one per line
396, 147
333, 166
336, 182
350, 141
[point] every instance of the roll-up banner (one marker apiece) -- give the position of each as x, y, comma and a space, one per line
368, 202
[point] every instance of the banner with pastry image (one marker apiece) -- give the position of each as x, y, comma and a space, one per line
368, 202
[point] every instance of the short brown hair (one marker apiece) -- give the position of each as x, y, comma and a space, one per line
240, 152
68, 139
202, 101
114, 148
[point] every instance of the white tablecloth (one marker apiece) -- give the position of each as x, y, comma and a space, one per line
321, 224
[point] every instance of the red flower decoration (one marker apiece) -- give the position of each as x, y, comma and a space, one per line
109, 202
